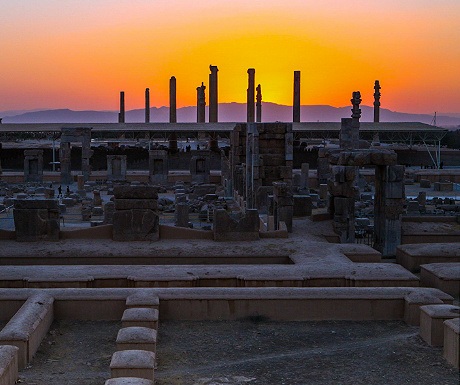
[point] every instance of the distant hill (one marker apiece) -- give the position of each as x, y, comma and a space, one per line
228, 112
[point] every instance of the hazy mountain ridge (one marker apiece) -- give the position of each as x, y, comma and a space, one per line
228, 112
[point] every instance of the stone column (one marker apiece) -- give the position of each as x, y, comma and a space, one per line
250, 105
377, 101
147, 105
86, 153
121, 115
172, 113
304, 182
201, 104
296, 103
355, 116
284, 204
388, 208
259, 104
172, 100
64, 159
213, 102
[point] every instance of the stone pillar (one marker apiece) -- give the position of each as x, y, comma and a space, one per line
252, 166
304, 182
172, 113
201, 104
388, 208
283, 204
181, 216
296, 102
158, 167
323, 170
116, 167
251, 96
355, 116
259, 104
64, 159
147, 105
342, 202
86, 152
172, 100
1, 159
33, 165
349, 136
213, 100
377, 101
121, 114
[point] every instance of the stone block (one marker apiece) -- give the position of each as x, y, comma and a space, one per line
137, 338
432, 319
451, 351
302, 206
129, 204
8, 364
135, 225
135, 192
133, 363
425, 183
128, 381
140, 317
245, 228
36, 224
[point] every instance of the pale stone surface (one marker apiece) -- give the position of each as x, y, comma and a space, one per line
432, 318
8, 364
140, 317
133, 363
137, 338
451, 351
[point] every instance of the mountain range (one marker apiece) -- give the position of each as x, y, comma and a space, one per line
228, 112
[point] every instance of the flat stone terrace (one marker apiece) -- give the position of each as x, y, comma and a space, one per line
304, 259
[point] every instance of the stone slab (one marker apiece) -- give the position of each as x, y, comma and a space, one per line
133, 363
140, 317
451, 351
432, 319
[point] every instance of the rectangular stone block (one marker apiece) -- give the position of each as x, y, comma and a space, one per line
135, 192
128, 204
8, 364
133, 363
137, 338
451, 351
135, 225
140, 317
432, 319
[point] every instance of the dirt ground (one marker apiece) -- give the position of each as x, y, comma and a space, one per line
253, 352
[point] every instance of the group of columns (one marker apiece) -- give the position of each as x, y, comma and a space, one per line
253, 103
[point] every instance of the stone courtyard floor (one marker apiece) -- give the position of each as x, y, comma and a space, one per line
251, 351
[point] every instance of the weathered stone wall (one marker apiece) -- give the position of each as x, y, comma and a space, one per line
245, 228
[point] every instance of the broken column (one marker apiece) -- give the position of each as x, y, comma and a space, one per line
116, 167
251, 96
135, 217
342, 202
213, 100
259, 104
36, 220
121, 114
304, 187
147, 105
296, 102
158, 167
201, 104
33, 165
283, 202
388, 208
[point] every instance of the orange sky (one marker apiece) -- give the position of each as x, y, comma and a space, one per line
79, 54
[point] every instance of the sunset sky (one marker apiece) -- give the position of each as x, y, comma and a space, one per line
79, 54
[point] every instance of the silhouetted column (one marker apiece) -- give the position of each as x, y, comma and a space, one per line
147, 105
201, 104
377, 101
296, 103
121, 115
259, 104
355, 116
251, 96
172, 113
213, 103
172, 100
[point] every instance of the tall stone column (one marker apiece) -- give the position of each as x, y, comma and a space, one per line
377, 101
172, 113
121, 114
250, 105
147, 105
296, 102
259, 104
355, 116
64, 160
201, 104
388, 208
213, 100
